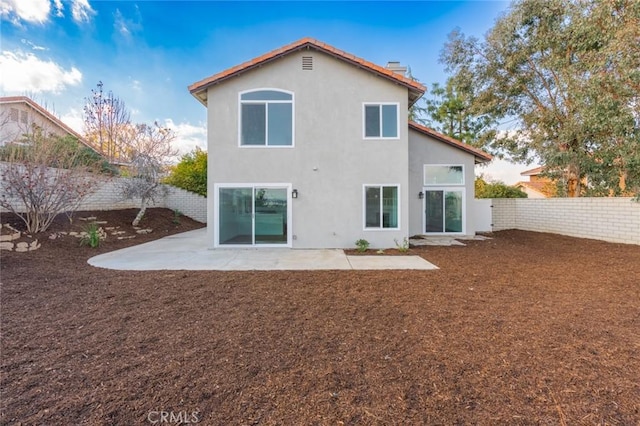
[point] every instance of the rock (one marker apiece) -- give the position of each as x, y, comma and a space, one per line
144, 231
73, 234
88, 218
118, 233
10, 237
6, 246
100, 222
53, 236
22, 244
128, 237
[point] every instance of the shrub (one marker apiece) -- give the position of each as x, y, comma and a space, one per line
485, 189
402, 247
93, 236
362, 245
190, 173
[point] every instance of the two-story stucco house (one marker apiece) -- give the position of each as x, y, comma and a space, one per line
311, 147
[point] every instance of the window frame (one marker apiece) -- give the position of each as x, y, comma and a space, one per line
266, 103
441, 184
381, 187
364, 121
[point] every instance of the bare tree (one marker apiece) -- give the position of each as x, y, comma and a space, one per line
44, 178
106, 120
150, 150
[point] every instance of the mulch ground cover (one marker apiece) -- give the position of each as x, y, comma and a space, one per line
525, 328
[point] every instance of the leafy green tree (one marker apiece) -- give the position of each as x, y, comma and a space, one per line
567, 74
449, 110
191, 172
484, 189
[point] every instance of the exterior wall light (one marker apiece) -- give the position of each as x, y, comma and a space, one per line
421, 195
294, 193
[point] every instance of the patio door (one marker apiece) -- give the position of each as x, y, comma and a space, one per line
254, 215
444, 210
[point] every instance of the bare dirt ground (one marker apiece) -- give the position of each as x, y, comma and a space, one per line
522, 329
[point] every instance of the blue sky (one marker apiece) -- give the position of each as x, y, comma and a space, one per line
148, 52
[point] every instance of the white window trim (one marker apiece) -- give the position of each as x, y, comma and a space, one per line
445, 188
293, 117
424, 175
216, 207
364, 207
364, 120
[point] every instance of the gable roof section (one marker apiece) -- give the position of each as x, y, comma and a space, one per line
480, 155
199, 89
533, 172
46, 114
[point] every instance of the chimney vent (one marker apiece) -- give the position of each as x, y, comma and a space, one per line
396, 67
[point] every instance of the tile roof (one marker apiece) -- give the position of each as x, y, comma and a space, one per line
46, 114
533, 172
480, 155
547, 189
416, 90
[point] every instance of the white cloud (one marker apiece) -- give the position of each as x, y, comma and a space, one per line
32, 45
120, 25
33, 11
73, 118
188, 136
81, 11
59, 8
25, 72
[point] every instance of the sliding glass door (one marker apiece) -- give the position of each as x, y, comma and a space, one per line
444, 210
253, 215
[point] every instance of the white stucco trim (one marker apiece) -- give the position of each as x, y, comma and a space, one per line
216, 206
364, 208
293, 117
364, 123
445, 188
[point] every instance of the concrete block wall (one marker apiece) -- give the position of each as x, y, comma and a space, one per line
189, 203
107, 197
614, 219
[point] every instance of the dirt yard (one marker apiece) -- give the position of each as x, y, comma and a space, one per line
522, 329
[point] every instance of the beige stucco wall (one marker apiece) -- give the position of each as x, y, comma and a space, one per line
426, 150
11, 130
330, 161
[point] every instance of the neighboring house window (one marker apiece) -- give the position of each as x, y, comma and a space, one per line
14, 115
436, 174
266, 118
381, 206
24, 117
381, 121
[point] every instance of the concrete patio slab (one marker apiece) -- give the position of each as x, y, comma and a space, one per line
188, 251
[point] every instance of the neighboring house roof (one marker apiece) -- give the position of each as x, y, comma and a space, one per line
545, 189
46, 114
480, 155
533, 172
199, 89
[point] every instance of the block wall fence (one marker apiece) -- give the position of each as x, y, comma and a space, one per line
107, 197
609, 219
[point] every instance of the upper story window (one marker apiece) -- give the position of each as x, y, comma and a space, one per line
381, 121
266, 118
437, 174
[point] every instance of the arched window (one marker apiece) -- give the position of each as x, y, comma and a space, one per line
266, 118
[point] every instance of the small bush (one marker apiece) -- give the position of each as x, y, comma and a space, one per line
93, 236
362, 245
402, 247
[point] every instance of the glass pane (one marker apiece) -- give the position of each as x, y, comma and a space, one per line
253, 124
372, 121
266, 95
453, 211
372, 207
271, 216
440, 175
433, 211
390, 121
280, 124
234, 214
390, 207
